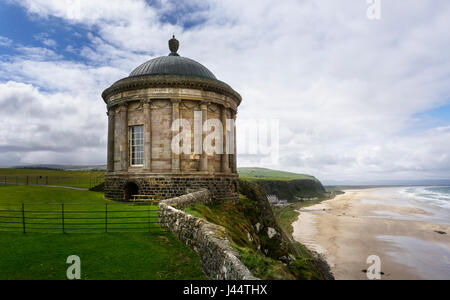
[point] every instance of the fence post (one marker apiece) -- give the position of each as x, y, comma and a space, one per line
46, 180
27, 179
62, 210
5, 180
23, 217
106, 217
17, 181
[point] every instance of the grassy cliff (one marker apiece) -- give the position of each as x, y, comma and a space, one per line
254, 232
285, 185
254, 174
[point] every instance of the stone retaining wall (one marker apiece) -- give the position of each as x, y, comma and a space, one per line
219, 260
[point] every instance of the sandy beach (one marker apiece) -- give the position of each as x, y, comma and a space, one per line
361, 223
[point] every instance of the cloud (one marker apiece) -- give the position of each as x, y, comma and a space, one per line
44, 39
57, 124
4, 41
347, 90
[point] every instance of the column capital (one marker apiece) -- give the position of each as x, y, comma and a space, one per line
111, 111
204, 104
123, 106
146, 103
223, 109
175, 100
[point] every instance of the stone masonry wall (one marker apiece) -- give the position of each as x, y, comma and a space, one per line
223, 188
219, 260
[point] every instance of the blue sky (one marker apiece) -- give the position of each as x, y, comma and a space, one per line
21, 28
355, 98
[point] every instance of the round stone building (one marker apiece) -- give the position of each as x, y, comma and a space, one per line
142, 109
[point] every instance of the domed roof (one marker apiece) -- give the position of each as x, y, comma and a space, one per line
171, 71
173, 65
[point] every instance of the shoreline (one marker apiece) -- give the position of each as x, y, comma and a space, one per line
350, 227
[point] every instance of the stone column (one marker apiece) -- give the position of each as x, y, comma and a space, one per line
225, 163
147, 136
123, 134
204, 155
233, 132
175, 116
111, 125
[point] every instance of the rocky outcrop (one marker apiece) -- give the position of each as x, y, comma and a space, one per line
218, 258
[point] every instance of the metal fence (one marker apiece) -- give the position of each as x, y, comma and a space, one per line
77, 218
73, 181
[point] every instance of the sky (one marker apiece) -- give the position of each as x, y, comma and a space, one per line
356, 98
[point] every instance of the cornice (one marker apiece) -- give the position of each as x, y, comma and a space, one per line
141, 82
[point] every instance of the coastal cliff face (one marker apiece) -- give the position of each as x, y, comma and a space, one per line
254, 232
265, 233
292, 190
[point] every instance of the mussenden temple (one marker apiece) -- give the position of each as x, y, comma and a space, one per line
142, 110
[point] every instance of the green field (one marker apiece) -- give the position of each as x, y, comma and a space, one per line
42, 253
252, 174
81, 179
44, 209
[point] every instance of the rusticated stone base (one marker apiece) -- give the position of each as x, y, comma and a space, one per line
166, 186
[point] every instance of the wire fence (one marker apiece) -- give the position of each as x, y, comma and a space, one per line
78, 218
72, 181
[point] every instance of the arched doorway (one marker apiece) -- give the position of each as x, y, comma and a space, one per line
130, 190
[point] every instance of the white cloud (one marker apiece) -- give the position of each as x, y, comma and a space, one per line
4, 41
346, 89
43, 126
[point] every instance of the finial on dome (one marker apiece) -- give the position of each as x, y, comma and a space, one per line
174, 44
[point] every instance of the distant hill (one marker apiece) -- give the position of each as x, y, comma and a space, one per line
63, 167
285, 185
252, 174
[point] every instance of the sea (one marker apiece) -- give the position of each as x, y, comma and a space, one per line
430, 259
435, 195
435, 200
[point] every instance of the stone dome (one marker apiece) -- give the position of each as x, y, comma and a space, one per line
173, 65
171, 71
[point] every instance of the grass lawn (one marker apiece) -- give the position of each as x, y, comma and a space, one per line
136, 256
39, 254
82, 179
